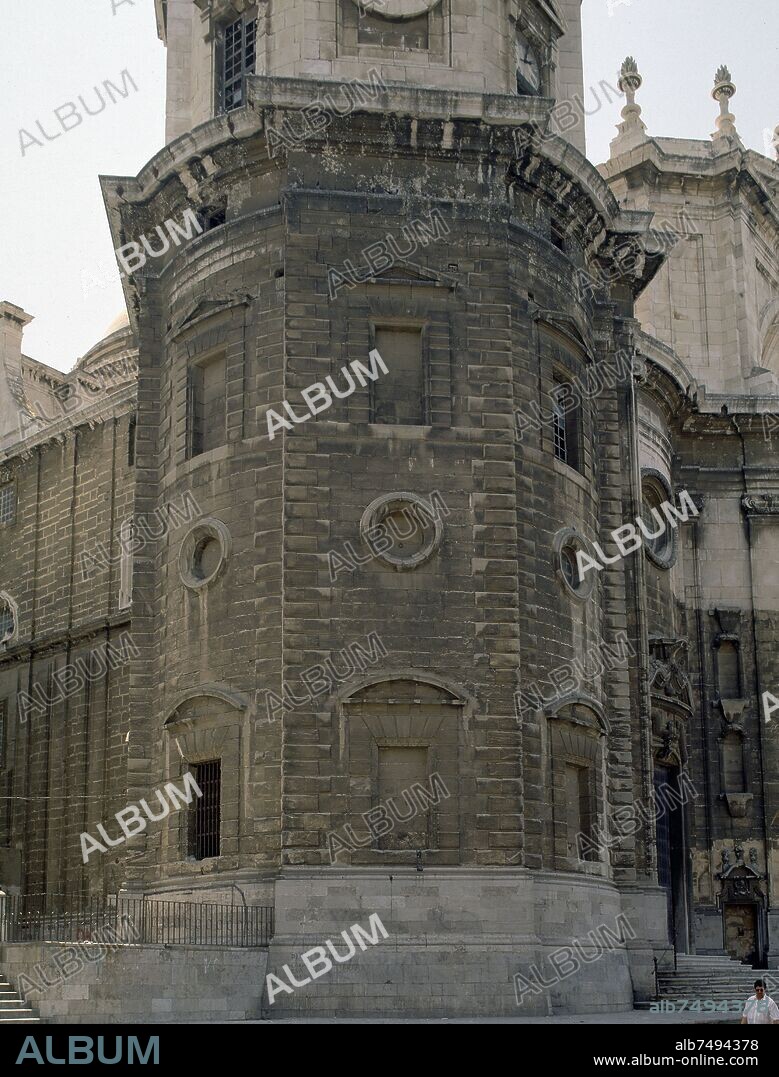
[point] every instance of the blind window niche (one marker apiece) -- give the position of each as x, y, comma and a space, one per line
728, 678
385, 33
399, 769
399, 397
206, 405
578, 807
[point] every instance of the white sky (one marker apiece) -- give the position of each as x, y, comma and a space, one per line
56, 257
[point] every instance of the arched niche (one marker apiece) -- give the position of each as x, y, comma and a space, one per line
401, 739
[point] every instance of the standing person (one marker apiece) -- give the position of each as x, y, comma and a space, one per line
760, 1009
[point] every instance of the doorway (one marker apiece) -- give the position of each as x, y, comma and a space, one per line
671, 856
741, 932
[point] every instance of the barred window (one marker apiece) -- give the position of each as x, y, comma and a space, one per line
7, 503
566, 426
3, 715
204, 828
238, 60
7, 622
560, 440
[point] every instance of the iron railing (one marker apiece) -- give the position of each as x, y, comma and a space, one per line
139, 920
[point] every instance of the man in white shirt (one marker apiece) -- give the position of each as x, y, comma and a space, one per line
760, 1009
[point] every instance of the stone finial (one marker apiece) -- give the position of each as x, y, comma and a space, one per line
629, 79
724, 89
632, 130
776, 141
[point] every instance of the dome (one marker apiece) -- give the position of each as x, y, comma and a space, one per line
121, 321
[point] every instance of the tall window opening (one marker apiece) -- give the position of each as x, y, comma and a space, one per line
239, 56
126, 532
131, 443
7, 621
7, 503
206, 400
205, 814
566, 426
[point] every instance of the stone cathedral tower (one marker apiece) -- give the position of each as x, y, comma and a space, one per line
420, 129
374, 641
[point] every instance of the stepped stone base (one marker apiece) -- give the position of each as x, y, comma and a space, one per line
456, 939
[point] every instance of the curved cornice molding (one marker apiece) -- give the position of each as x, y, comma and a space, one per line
459, 696
238, 700
578, 699
514, 132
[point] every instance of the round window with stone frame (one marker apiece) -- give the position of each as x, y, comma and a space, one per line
567, 544
402, 530
204, 553
657, 534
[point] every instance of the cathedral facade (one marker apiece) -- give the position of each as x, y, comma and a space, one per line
425, 507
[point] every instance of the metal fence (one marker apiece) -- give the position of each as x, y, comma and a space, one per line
139, 920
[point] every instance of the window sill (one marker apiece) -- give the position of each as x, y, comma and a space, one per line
565, 471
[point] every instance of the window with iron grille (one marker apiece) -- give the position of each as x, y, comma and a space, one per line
3, 713
566, 427
7, 624
204, 821
560, 440
7, 503
239, 54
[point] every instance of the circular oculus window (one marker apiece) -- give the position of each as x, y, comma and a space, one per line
567, 544
660, 542
204, 553
402, 530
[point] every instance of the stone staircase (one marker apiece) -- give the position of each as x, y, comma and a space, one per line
13, 1008
712, 978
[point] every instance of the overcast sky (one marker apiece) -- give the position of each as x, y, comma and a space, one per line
56, 257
